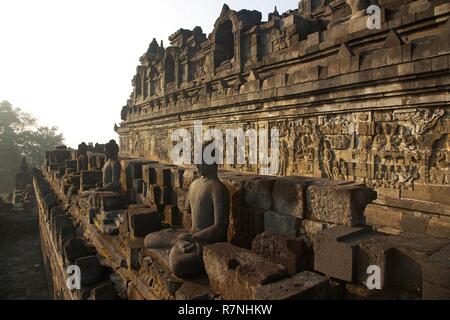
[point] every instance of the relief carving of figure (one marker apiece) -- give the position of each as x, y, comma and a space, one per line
439, 173
380, 176
359, 7
281, 40
336, 171
328, 160
379, 141
284, 158
407, 141
424, 119
406, 177
343, 168
391, 142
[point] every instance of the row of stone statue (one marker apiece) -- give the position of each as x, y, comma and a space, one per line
208, 203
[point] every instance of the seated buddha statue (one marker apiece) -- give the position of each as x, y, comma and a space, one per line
208, 202
111, 169
82, 160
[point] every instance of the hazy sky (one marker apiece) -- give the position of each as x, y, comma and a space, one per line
70, 62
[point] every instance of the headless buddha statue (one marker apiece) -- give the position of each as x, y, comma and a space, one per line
208, 202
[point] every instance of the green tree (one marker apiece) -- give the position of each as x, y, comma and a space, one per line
20, 136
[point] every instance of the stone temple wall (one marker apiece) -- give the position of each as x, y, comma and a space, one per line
351, 103
363, 117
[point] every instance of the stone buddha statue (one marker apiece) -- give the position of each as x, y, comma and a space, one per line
82, 161
111, 169
209, 203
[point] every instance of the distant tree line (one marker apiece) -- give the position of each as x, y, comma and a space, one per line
21, 136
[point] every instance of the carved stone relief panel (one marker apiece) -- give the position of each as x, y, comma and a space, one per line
389, 149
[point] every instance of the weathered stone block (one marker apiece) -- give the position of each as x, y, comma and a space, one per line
149, 173
288, 251
172, 215
258, 193
111, 202
56, 211
133, 247
436, 275
288, 197
412, 251
280, 224
245, 224
439, 227
311, 228
179, 198
163, 176
335, 251
302, 286
236, 273
415, 223
77, 248
138, 185
375, 250
434, 292
91, 270
65, 234
59, 222
90, 179
177, 177
49, 201
153, 193
337, 204
164, 195
143, 221
71, 164
192, 291
379, 215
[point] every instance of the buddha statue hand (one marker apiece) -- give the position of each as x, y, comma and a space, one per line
185, 243
185, 257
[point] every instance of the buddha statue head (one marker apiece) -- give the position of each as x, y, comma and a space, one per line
82, 148
112, 150
208, 166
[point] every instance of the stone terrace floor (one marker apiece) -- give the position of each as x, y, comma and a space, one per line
22, 274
